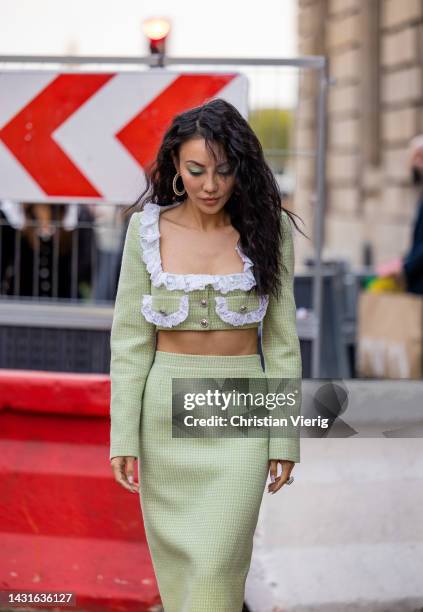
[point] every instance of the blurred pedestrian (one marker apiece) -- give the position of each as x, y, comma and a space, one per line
36, 250
408, 270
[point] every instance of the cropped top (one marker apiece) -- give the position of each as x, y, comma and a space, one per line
149, 299
195, 301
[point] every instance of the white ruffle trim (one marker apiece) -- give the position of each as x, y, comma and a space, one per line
161, 319
238, 318
150, 249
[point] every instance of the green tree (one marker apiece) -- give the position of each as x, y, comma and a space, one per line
273, 127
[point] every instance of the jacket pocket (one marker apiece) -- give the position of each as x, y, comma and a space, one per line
165, 310
240, 310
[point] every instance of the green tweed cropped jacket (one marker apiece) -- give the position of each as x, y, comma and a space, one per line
149, 299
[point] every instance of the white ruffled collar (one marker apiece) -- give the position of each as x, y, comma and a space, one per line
150, 249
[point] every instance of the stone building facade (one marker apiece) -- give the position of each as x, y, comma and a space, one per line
375, 106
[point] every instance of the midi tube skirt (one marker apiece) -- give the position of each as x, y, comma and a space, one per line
200, 497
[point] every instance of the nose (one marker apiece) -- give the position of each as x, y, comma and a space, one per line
210, 183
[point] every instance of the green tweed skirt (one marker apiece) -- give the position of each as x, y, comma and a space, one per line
200, 497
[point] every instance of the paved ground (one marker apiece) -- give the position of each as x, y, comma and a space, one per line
347, 534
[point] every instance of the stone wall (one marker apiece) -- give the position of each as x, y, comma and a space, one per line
375, 105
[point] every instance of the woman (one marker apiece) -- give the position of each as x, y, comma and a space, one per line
199, 273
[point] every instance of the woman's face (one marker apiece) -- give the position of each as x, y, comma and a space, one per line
203, 177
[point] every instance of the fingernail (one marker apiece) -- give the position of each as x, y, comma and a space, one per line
130, 479
272, 478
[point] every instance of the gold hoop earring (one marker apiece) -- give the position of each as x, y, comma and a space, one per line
175, 189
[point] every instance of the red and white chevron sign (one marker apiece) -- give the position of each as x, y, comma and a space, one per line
87, 136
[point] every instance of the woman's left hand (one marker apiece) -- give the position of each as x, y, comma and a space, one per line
279, 481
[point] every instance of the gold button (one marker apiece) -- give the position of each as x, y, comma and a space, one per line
203, 302
243, 308
204, 323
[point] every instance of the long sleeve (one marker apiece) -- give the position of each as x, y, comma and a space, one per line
281, 345
132, 345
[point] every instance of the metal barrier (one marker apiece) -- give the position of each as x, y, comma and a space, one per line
60, 252
76, 339
337, 331
80, 293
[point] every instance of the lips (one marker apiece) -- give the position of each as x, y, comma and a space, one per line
210, 200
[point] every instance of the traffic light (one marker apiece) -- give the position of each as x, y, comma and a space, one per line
156, 29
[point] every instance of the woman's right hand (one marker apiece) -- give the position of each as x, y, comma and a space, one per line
123, 470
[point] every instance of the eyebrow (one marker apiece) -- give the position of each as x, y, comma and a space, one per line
202, 165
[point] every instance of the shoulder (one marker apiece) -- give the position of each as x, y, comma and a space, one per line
133, 224
286, 226
171, 214
134, 220
287, 244
285, 219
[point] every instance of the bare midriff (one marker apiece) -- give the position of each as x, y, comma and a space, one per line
217, 342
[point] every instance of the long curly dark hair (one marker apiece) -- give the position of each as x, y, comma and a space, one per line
255, 204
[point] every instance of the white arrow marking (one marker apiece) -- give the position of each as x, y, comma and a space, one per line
18, 89
236, 92
88, 136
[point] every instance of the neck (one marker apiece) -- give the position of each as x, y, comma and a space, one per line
204, 221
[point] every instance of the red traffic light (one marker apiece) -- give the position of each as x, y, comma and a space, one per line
156, 29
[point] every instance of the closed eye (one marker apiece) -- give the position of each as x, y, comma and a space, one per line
226, 172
